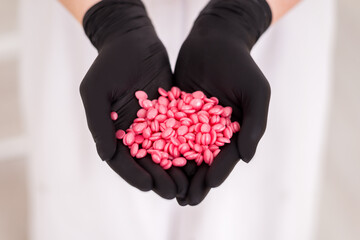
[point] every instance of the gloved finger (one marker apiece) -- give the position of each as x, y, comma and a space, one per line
98, 109
181, 181
163, 184
223, 164
124, 165
254, 120
182, 201
190, 169
198, 188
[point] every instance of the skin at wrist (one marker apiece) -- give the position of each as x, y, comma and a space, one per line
280, 7
78, 8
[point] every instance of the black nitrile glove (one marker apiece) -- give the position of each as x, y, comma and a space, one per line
131, 57
215, 58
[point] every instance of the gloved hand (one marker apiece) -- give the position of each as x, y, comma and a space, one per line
131, 57
215, 58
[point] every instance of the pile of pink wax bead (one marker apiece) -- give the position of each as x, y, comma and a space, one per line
178, 127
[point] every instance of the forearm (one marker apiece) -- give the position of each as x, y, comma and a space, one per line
78, 8
280, 7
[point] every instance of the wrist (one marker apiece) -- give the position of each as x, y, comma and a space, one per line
245, 19
108, 18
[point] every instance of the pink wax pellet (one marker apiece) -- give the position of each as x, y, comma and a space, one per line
162, 109
206, 139
129, 138
187, 98
199, 160
214, 100
182, 139
223, 139
141, 113
159, 144
151, 113
172, 104
236, 126
218, 127
228, 133
198, 138
182, 130
228, 121
166, 134
156, 158
196, 103
208, 156
186, 121
163, 101
139, 139
114, 116
155, 136
146, 144
216, 110
120, 134
170, 114
139, 120
162, 92
203, 118
161, 118
213, 147
175, 152
216, 152
141, 153
215, 119
179, 162
147, 104
164, 155
190, 136
134, 149
164, 162
198, 94
194, 118
141, 95
155, 126
167, 166
176, 91
198, 148
180, 115
139, 127
146, 132
180, 104
192, 156
205, 128
191, 144
171, 96
219, 143
183, 148
227, 112
207, 106
170, 123
175, 141
167, 145
177, 127
223, 121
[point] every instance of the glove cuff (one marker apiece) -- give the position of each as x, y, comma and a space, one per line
249, 17
113, 17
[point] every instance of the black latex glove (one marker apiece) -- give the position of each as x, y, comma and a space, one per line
215, 58
131, 58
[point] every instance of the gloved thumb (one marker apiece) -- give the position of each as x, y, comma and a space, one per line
98, 109
253, 124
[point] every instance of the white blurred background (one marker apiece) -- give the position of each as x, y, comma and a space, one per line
337, 214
